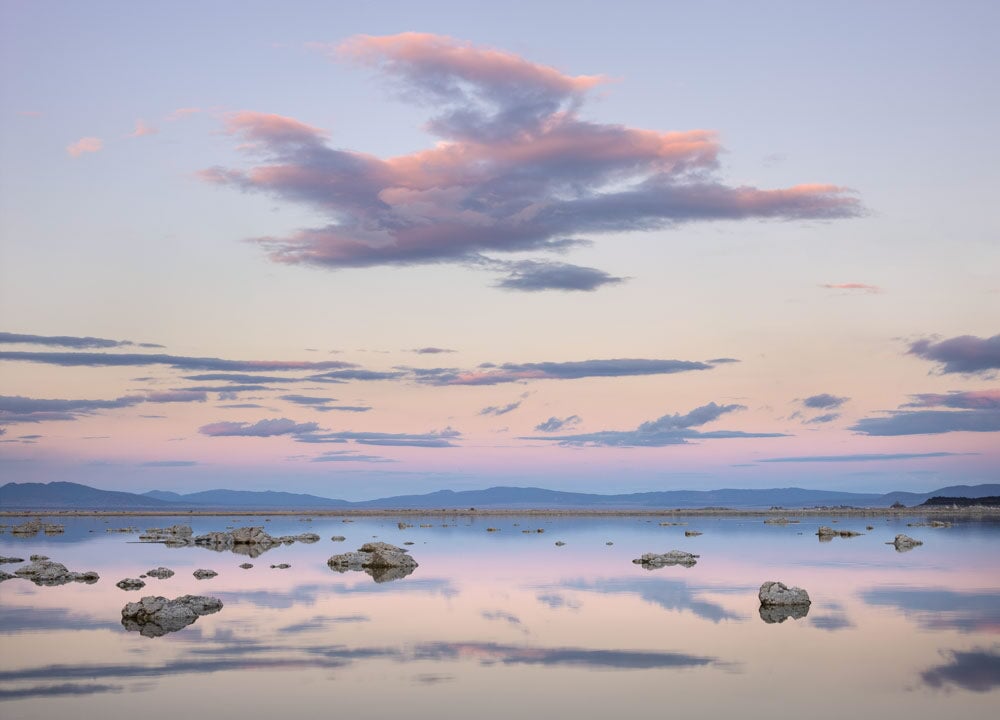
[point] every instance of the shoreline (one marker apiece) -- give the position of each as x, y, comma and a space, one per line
966, 512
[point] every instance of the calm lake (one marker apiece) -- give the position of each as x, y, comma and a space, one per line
508, 624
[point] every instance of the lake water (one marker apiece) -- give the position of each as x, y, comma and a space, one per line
507, 624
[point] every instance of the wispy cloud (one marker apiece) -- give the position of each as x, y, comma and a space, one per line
824, 401
538, 275
431, 350
490, 374
498, 410
349, 456
69, 341
855, 286
516, 170
20, 409
930, 422
142, 129
554, 424
169, 463
84, 145
323, 404
965, 400
673, 429
179, 362
261, 428
966, 354
861, 457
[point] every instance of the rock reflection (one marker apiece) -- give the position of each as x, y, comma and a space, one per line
779, 613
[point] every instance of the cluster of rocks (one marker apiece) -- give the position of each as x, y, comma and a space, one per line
128, 530
384, 562
252, 541
780, 521
931, 524
539, 530
33, 527
131, 584
828, 533
653, 561
778, 602
155, 616
160, 573
43, 571
671, 524
904, 543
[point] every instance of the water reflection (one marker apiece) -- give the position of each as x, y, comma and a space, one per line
779, 613
976, 670
936, 608
668, 594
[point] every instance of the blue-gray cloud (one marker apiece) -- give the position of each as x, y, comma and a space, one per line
349, 456
965, 354
169, 463
261, 428
861, 457
491, 374
323, 404
824, 401
431, 350
69, 341
537, 275
497, 410
673, 429
975, 670
967, 400
434, 439
822, 419
179, 362
554, 424
930, 422
337, 376
20, 409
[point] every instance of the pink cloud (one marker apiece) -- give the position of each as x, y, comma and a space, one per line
181, 113
516, 168
142, 129
84, 145
873, 289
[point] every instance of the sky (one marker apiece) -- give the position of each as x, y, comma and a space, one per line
366, 249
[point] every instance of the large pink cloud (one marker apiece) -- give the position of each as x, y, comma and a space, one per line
516, 168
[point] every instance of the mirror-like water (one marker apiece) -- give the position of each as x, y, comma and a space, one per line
508, 624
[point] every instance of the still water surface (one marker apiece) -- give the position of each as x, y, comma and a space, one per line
507, 624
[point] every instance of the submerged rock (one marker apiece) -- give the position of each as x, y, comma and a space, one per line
160, 573
381, 560
779, 613
155, 616
560, 543
38, 558
282, 566
46, 572
931, 524
904, 543
691, 533
338, 538
246, 566
777, 593
652, 561
780, 521
202, 574
131, 584
5, 560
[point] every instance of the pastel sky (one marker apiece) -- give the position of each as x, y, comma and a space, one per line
362, 249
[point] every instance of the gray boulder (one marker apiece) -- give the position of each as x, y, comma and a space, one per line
653, 561
905, 543
131, 584
381, 560
155, 616
160, 573
246, 566
46, 572
202, 574
6, 576
774, 593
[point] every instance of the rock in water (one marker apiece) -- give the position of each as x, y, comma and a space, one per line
691, 533
246, 566
4, 560
131, 584
776, 593
652, 561
338, 538
6, 576
160, 573
46, 572
905, 542
202, 574
155, 616
381, 560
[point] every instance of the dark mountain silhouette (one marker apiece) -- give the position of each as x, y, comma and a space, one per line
65, 495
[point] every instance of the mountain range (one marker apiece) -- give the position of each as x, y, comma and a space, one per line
73, 496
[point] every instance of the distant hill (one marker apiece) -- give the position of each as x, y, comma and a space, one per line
986, 500
65, 495
267, 499
72, 496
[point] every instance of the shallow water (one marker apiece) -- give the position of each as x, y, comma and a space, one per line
507, 624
